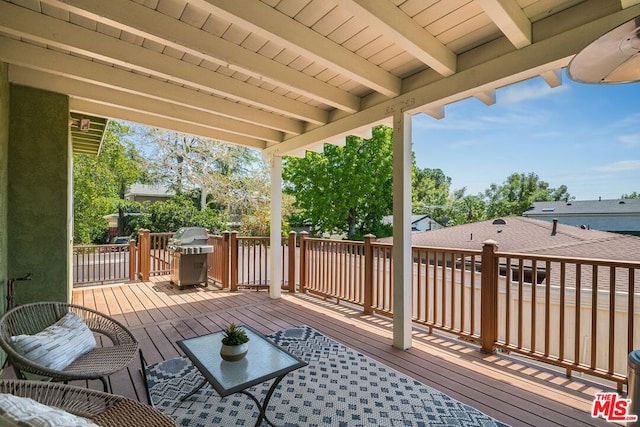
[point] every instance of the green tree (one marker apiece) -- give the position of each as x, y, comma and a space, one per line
224, 177
345, 189
179, 211
430, 189
633, 195
100, 183
518, 192
463, 208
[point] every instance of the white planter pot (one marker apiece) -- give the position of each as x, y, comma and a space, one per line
233, 353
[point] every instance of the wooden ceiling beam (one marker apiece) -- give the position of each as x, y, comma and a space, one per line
152, 25
551, 53
511, 20
43, 29
80, 89
405, 32
271, 24
36, 57
121, 113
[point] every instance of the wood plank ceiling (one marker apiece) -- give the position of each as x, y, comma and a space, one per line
289, 75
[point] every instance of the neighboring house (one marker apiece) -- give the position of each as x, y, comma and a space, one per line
618, 216
418, 222
148, 193
112, 224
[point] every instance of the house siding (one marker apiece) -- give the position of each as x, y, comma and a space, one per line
38, 184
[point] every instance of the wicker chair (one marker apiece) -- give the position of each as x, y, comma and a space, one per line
103, 409
96, 364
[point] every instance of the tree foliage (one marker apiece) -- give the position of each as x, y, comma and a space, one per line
462, 208
100, 182
345, 189
518, 192
224, 177
179, 211
430, 189
633, 195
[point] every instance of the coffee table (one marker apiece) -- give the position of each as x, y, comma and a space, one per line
264, 361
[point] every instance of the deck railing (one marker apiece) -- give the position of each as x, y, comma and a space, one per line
579, 314
102, 263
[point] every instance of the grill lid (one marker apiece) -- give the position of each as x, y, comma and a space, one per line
189, 236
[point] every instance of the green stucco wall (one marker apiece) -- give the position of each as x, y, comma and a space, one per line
4, 152
38, 215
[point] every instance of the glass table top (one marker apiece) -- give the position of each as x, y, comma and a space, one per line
264, 361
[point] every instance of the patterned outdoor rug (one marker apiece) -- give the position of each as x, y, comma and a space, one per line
339, 387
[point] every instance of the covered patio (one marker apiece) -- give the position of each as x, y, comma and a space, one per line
510, 390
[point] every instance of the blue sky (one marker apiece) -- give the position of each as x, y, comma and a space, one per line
586, 137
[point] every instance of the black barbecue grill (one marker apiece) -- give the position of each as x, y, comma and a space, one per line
188, 249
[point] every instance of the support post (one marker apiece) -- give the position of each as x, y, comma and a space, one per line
233, 243
489, 296
303, 261
275, 257
401, 229
368, 273
144, 240
291, 273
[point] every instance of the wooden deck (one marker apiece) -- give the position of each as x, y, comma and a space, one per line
507, 389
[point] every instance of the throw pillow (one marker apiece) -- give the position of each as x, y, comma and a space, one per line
58, 345
22, 411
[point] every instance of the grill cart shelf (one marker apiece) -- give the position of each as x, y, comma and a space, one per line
188, 249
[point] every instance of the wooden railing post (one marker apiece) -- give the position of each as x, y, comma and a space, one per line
303, 261
144, 254
291, 274
224, 262
368, 273
132, 261
489, 296
233, 273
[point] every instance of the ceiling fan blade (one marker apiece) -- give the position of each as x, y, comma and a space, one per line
612, 58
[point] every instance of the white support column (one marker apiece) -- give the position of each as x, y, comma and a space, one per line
401, 229
275, 252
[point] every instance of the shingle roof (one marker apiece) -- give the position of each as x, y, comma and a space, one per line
527, 235
582, 207
535, 237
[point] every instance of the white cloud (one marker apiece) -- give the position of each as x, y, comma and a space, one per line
623, 165
630, 140
518, 93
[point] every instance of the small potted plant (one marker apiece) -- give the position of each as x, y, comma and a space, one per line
234, 343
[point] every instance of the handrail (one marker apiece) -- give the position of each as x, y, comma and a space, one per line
576, 313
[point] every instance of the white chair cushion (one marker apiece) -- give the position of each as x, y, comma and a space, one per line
58, 345
22, 411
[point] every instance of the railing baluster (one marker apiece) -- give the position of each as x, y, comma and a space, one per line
520, 301
563, 278
576, 350
507, 302
594, 315
631, 309
547, 307
612, 316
